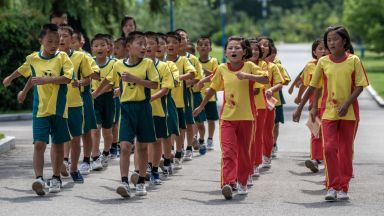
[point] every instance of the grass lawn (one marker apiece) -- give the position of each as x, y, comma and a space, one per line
15, 112
374, 65
1, 136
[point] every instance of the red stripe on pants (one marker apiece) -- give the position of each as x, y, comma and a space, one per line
268, 132
257, 146
338, 138
236, 138
317, 151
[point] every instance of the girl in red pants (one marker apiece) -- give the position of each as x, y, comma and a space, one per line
237, 117
316, 148
344, 78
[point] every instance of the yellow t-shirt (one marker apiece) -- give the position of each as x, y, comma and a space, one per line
184, 66
307, 74
82, 68
339, 80
238, 94
132, 92
175, 72
95, 68
275, 77
48, 99
199, 69
106, 73
284, 73
260, 97
210, 65
166, 81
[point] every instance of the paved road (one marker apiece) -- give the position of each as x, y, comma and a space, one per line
287, 189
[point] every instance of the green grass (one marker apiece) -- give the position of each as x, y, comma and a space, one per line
1, 136
374, 65
15, 112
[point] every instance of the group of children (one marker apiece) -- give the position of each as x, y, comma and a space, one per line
144, 92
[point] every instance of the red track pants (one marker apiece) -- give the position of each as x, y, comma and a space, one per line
268, 132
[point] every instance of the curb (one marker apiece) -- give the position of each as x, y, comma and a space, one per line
15, 117
375, 96
7, 144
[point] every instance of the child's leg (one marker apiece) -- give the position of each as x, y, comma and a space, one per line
211, 129
142, 153
67, 149
331, 146
57, 157
276, 133
346, 139
245, 138
259, 136
125, 155
156, 152
96, 141
268, 133
136, 158
201, 129
107, 135
87, 143
75, 153
180, 140
38, 157
229, 152
189, 135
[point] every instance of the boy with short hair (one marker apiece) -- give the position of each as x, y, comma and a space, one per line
51, 71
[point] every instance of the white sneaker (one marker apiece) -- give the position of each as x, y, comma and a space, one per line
65, 169
227, 192
266, 162
96, 165
331, 195
85, 168
343, 196
141, 190
54, 185
104, 160
209, 144
124, 190
38, 186
250, 181
188, 155
242, 189
256, 172
134, 178
274, 151
177, 165
312, 165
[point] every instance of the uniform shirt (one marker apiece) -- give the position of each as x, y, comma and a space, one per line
339, 81
210, 65
238, 94
199, 70
166, 81
49, 99
95, 68
175, 72
275, 77
82, 68
105, 73
260, 97
184, 66
306, 77
132, 92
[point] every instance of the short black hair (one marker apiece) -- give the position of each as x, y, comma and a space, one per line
152, 35
120, 40
133, 36
57, 14
109, 37
343, 33
204, 37
173, 35
315, 44
99, 37
245, 45
178, 31
67, 28
48, 28
79, 34
162, 36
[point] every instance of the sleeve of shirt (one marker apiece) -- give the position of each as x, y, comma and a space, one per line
199, 69
217, 82
67, 67
175, 73
152, 73
25, 69
256, 70
306, 75
188, 67
86, 68
317, 77
276, 75
167, 79
284, 73
361, 78
111, 76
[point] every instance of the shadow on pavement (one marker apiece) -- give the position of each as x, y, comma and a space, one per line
314, 192
314, 182
322, 204
28, 199
237, 200
113, 201
321, 172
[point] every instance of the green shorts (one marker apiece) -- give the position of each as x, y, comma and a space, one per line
75, 121
211, 111
181, 117
136, 121
160, 127
279, 117
53, 125
197, 99
172, 117
105, 110
188, 103
89, 112
117, 110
